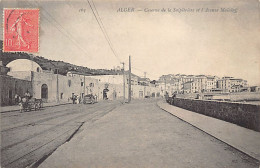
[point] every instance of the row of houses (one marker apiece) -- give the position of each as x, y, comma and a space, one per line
23, 75
204, 84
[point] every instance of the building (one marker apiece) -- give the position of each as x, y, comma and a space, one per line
144, 81
140, 88
254, 89
230, 84
10, 86
50, 86
211, 85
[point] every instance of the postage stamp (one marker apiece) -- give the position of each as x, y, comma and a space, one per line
21, 30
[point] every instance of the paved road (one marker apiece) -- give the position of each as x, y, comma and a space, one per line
29, 136
142, 135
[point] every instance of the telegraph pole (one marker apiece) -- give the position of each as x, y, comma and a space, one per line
84, 87
57, 71
129, 80
144, 83
165, 85
123, 79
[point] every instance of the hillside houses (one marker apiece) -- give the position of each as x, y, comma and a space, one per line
181, 83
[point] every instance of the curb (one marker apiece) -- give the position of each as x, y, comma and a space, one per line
249, 155
44, 106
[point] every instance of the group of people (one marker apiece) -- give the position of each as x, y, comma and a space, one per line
18, 99
22, 101
76, 99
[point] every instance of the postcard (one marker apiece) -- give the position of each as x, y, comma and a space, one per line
116, 83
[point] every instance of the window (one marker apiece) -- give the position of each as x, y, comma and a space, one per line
91, 84
61, 96
82, 83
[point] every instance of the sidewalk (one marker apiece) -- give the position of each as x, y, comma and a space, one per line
5, 109
243, 139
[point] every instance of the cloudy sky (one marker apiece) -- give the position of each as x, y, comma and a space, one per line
187, 40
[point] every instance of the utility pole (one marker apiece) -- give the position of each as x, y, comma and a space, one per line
57, 71
123, 79
144, 84
165, 85
84, 87
32, 77
129, 81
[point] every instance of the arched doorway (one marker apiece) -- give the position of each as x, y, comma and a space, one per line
44, 91
105, 94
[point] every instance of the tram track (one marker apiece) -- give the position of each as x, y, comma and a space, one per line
53, 127
64, 130
43, 120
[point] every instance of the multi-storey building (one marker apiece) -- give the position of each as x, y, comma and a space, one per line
211, 84
230, 84
191, 87
202, 82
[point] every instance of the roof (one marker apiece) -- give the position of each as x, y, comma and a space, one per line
23, 65
132, 74
78, 73
143, 79
235, 79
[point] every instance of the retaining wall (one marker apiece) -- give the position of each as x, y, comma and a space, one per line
245, 115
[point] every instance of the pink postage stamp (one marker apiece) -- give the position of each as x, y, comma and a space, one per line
21, 30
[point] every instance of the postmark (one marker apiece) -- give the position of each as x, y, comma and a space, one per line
21, 30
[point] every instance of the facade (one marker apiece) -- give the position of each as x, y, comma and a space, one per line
192, 87
211, 85
50, 86
139, 90
255, 89
144, 81
55, 87
10, 86
23, 75
230, 84
201, 84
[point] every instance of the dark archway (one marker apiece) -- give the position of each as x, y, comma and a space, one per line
105, 94
44, 91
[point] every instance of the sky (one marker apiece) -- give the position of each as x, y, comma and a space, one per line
159, 42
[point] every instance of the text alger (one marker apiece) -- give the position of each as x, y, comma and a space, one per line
130, 9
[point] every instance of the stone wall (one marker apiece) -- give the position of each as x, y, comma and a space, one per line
245, 115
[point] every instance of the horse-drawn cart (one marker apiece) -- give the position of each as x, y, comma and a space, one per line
29, 104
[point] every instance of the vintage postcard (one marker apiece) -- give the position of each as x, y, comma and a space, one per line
126, 84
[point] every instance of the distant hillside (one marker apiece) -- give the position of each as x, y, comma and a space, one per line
63, 67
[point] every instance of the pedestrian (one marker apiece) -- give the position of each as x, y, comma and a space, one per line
27, 95
19, 99
77, 99
20, 106
95, 97
16, 98
73, 98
